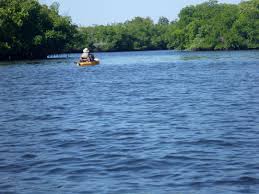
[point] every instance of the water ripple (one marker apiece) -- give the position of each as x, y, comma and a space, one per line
141, 122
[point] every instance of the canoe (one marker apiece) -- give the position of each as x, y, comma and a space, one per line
89, 63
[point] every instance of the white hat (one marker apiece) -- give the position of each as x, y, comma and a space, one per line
86, 50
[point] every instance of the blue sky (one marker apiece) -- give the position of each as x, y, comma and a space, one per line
86, 12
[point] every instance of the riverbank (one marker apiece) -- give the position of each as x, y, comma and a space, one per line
68, 55
203, 27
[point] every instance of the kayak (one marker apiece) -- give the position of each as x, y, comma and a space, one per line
89, 63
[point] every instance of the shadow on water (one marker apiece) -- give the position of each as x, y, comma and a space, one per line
53, 61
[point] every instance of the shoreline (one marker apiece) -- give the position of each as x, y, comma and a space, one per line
122, 51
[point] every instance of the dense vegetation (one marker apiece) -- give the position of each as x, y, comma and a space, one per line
207, 26
31, 30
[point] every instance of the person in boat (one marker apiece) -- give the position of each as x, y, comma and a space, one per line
86, 56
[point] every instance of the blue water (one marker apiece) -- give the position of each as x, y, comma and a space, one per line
140, 122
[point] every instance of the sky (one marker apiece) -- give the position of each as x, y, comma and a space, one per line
102, 12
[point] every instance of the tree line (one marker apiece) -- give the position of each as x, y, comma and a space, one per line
31, 30
207, 26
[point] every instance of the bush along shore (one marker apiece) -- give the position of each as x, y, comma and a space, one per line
30, 30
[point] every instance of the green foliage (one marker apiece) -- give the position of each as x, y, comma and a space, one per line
246, 27
136, 34
163, 21
207, 26
31, 30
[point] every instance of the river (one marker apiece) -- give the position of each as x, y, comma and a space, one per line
154, 122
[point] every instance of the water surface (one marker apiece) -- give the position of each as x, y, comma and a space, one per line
140, 122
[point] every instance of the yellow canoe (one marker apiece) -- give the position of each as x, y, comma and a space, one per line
89, 63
